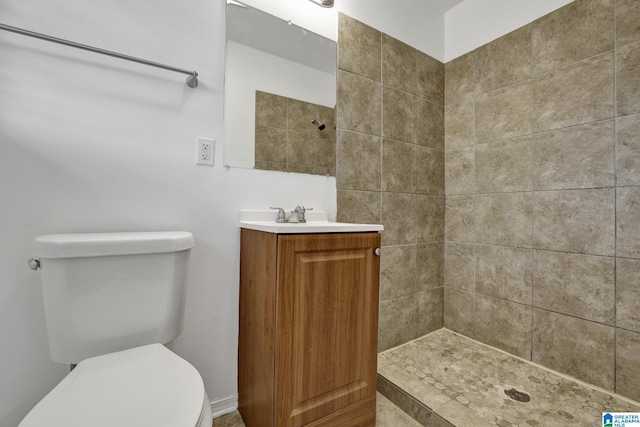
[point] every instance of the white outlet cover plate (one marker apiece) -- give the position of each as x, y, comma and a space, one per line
200, 148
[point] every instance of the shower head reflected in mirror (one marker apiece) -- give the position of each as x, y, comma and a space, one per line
323, 3
321, 126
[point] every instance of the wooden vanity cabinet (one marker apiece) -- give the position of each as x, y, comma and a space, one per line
308, 329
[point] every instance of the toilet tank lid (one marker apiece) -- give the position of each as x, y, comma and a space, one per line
108, 244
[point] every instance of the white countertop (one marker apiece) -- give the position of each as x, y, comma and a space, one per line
317, 222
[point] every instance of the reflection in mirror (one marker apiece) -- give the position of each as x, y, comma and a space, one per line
280, 94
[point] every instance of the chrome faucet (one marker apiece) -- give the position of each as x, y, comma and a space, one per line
299, 211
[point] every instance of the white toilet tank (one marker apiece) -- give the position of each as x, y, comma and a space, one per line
106, 292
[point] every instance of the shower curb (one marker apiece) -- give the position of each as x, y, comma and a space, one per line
410, 405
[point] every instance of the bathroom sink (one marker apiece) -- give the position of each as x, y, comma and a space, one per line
317, 222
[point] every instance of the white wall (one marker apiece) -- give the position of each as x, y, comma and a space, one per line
474, 23
91, 143
248, 70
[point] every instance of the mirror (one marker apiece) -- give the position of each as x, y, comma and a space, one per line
280, 94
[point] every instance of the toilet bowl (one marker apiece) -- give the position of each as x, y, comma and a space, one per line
144, 386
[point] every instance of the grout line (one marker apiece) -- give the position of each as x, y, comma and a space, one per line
531, 182
615, 199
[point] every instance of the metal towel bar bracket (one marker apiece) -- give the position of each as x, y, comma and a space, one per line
192, 80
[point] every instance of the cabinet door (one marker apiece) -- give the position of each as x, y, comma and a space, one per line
326, 324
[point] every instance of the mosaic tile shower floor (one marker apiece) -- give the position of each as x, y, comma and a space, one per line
445, 379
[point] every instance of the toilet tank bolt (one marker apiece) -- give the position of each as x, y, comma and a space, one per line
33, 263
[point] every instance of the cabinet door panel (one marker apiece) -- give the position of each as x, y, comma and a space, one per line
326, 323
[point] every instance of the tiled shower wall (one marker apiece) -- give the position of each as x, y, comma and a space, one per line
542, 139
390, 170
288, 141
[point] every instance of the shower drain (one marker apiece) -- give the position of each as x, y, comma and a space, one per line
520, 396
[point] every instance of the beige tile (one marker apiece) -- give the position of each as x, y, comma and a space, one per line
628, 364
576, 347
430, 311
504, 166
389, 415
326, 151
459, 130
578, 285
577, 157
359, 48
458, 266
503, 324
576, 31
628, 79
628, 294
430, 265
358, 161
423, 392
399, 115
581, 92
397, 321
231, 420
429, 218
504, 272
324, 170
628, 150
271, 110
397, 271
300, 114
301, 148
271, 145
398, 166
359, 102
430, 73
460, 171
459, 222
458, 79
575, 221
504, 113
326, 115
409, 404
399, 218
628, 222
627, 18
458, 311
398, 64
429, 171
504, 219
460, 415
430, 124
504, 61
362, 207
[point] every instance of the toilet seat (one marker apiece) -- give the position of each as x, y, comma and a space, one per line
143, 386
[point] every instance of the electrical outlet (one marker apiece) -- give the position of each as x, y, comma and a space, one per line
206, 151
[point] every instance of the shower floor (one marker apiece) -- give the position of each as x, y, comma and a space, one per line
445, 379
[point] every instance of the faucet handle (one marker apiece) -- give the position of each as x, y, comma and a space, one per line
301, 208
300, 211
281, 217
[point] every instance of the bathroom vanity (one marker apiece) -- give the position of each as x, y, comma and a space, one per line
308, 325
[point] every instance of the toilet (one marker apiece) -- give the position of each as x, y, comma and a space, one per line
112, 300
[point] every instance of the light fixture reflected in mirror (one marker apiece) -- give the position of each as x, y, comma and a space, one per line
323, 3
